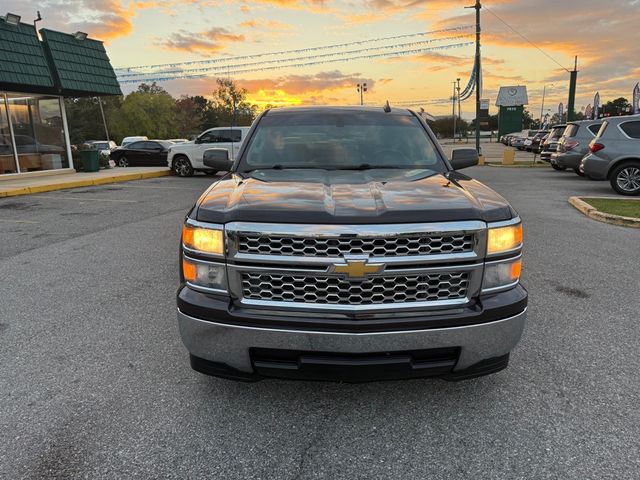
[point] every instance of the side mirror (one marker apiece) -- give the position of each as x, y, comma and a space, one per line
217, 159
197, 140
464, 158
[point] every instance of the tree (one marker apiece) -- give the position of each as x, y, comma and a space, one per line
619, 106
189, 117
149, 111
527, 119
85, 120
443, 127
206, 112
230, 104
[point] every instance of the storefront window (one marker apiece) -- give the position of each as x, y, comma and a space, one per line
38, 132
7, 157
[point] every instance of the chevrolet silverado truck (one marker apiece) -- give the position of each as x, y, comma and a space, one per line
344, 245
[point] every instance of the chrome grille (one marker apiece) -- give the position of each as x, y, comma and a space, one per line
333, 290
397, 246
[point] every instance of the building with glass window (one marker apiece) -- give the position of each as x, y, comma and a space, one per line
36, 73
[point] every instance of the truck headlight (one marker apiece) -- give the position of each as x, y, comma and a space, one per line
210, 276
499, 275
207, 240
504, 239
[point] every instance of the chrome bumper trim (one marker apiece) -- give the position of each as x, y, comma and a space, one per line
230, 344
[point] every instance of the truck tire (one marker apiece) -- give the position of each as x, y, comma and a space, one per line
578, 172
182, 166
625, 178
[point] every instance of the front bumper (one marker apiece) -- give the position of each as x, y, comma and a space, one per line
226, 350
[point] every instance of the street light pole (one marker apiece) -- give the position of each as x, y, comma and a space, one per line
104, 120
361, 87
453, 111
477, 7
459, 107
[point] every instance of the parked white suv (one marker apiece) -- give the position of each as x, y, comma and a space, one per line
186, 158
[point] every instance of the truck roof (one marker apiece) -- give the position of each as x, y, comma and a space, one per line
337, 109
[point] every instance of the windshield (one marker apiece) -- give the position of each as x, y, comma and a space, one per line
340, 140
102, 146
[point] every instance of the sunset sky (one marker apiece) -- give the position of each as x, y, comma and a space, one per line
604, 34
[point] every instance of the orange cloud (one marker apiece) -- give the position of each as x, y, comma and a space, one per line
211, 41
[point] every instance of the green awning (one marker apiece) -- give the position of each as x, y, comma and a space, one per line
80, 67
23, 64
60, 64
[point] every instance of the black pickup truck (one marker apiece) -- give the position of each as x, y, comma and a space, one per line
342, 244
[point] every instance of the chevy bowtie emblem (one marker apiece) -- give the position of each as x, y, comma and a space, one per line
357, 268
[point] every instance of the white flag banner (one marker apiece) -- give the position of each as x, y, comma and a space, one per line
596, 106
636, 99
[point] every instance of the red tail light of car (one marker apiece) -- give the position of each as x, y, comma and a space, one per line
595, 147
570, 145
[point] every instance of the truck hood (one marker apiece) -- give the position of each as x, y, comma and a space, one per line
349, 197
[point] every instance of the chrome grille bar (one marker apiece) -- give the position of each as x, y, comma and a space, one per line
427, 265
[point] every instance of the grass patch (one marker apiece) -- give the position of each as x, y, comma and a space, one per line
615, 206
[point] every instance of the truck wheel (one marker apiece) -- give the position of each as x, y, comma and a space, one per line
578, 172
625, 178
182, 166
123, 162
558, 167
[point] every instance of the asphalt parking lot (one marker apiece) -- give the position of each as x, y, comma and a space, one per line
95, 382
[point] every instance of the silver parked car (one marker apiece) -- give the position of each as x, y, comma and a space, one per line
615, 155
574, 144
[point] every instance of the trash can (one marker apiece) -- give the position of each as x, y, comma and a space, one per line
90, 160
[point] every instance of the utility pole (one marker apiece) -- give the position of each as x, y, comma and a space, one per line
478, 69
544, 91
104, 120
459, 108
573, 80
453, 112
361, 87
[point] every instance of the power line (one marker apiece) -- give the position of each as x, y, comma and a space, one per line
287, 60
526, 39
300, 50
156, 78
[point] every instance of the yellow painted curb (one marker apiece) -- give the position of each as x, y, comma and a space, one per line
83, 183
595, 214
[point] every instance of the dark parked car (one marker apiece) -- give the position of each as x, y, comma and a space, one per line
145, 153
534, 146
550, 144
574, 144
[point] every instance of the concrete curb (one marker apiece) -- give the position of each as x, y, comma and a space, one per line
591, 212
82, 183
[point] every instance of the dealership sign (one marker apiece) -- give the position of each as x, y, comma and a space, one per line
512, 96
